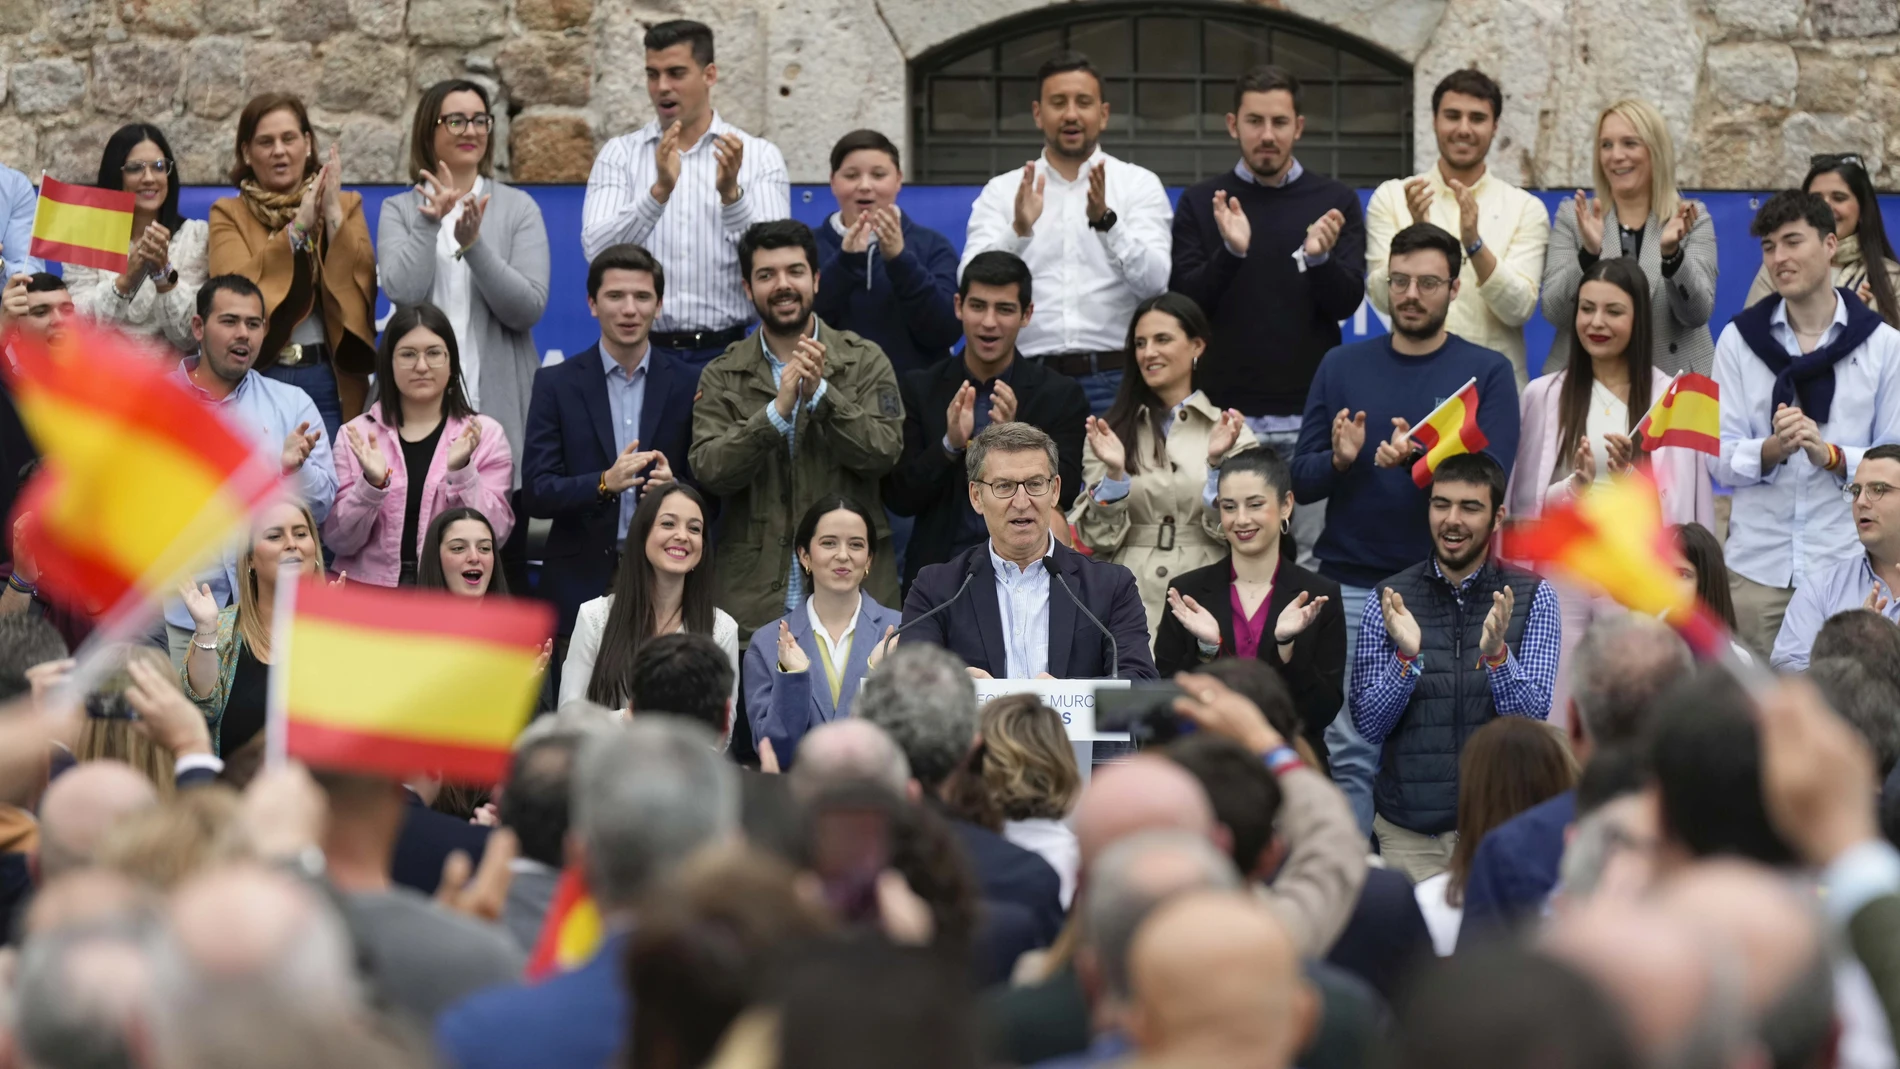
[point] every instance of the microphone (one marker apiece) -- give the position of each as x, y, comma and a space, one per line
1114, 647
969, 573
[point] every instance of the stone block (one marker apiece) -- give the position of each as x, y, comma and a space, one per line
1738, 154
176, 18
544, 68
214, 76
1768, 18
78, 21
455, 22
371, 151
809, 102
138, 79
1830, 83
379, 18
46, 86
1759, 72
364, 75
71, 153
307, 20
280, 67
19, 16
1804, 134
554, 15
204, 147
232, 16
550, 148
620, 86
19, 145
1854, 18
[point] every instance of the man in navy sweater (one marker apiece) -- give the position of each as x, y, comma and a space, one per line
1276, 256
1375, 516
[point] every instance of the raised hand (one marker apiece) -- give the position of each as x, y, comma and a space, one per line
1819, 782
1097, 204
857, 236
1583, 464
791, 656
463, 447
1496, 622
333, 192
1234, 226
297, 446
960, 417
369, 455
1397, 451
309, 209
1349, 437
166, 716
1107, 447
541, 659
481, 892
1218, 709
1620, 452
13, 300
813, 352
890, 232
1467, 212
1678, 227
1589, 223
1865, 291
884, 646
1298, 616
1400, 627
1418, 199
1225, 433
1029, 200
666, 162
1002, 403
729, 152
468, 226
1877, 598
659, 470
1199, 622
202, 607
1321, 236
1796, 431
624, 474
149, 255
436, 193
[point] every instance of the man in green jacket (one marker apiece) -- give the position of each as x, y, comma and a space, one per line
796, 412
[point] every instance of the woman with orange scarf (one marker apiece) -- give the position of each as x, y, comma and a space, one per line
295, 232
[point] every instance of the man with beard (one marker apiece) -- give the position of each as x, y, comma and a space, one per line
1375, 513
1464, 639
1504, 229
797, 412
1093, 229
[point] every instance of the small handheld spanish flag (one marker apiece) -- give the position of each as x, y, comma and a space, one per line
82, 225
571, 931
1451, 429
394, 682
1687, 416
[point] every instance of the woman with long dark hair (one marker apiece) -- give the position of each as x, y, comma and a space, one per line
420, 449
664, 584
459, 555
157, 293
1145, 471
1705, 569
1841, 180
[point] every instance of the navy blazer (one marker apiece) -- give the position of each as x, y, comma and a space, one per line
574, 1020
569, 442
427, 840
973, 627
784, 705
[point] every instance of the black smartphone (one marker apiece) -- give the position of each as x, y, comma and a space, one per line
850, 849
1145, 711
110, 707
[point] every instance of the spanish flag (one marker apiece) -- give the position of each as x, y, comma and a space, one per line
373, 679
82, 225
1612, 538
1451, 429
1689, 416
138, 481
571, 932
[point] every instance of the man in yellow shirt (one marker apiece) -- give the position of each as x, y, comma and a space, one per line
1503, 228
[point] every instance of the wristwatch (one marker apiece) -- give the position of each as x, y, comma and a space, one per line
1472, 249
1106, 222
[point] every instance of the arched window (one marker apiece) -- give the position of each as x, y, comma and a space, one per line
1169, 83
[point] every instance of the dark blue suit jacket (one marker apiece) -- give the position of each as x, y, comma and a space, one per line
784, 705
1515, 868
427, 840
569, 442
1008, 873
973, 627
577, 1020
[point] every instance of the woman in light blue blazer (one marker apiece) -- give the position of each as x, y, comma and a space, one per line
805, 670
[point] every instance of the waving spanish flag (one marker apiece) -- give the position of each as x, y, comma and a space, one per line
82, 225
374, 679
1451, 429
138, 481
1689, 415
571, 931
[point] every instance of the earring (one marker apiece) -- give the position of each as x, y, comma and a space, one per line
1286, 526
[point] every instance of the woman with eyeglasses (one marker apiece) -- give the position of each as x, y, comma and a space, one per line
294, 231
1841, 180
420, 450
1637, 212
472, 247
157, 293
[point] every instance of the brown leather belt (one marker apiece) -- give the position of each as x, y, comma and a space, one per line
697, 339
1075, 364
298, 355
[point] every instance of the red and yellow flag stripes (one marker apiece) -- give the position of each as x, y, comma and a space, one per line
1451, 429
82, 225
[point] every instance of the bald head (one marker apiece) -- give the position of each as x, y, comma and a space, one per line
848, 751
1132, 878
81, 806
1214, 971
248, 929
86, 898
1148, 793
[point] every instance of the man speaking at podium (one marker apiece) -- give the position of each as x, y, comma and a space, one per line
1021, 605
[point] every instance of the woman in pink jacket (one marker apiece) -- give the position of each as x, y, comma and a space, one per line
419, 450
1576, 427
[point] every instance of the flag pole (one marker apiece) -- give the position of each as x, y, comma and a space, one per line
277, 694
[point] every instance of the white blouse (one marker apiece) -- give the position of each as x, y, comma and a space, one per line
584, 648
166, 316
451, 293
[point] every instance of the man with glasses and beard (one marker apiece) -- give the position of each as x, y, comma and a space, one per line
1866, 581
1451, 643
1375, 513
797, 411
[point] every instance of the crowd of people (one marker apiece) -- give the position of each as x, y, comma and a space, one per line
1406, 802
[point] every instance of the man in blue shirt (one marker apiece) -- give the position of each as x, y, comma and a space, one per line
1375, 514
1865, 581
230, 327
18, 202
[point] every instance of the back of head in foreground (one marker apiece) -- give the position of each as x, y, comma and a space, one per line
644, 799
922, 696
1506, 1007
1623, 662
82, 807
1132, 879
1705, 755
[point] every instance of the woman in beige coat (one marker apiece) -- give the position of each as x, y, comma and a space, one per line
1145, 472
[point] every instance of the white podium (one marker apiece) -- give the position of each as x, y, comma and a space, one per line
1074, 699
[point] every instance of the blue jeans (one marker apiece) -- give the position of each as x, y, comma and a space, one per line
319, 381
1100, 387
1355, 761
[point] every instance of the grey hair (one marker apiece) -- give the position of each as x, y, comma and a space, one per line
1133, 878
852, 749
1622, 662
1009, 438
923, 698
576, 716
78, 993
1597, 839
647, 797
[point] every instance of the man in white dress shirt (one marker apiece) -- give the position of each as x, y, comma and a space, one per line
1094, 230
1810, 379
686, 186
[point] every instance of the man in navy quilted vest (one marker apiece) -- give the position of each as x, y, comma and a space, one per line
1450, 643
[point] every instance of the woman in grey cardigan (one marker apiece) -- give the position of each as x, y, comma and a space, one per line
1646, 219
474, 248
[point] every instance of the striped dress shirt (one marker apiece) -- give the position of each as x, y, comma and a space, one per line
695, 238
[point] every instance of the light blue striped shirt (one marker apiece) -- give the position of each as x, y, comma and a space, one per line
1822, 594
626, 401
794, 585
1022, 594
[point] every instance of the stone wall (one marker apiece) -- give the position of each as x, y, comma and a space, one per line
1751, 87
